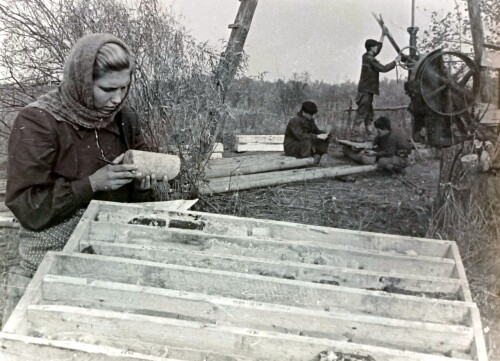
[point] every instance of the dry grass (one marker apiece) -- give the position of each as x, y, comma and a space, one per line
465, 222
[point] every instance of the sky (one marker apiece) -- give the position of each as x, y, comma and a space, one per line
322, 37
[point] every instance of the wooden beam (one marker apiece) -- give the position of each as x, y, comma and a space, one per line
431, 287
261, 288
256, 165
277, 139
175, 205
371, 330
21, 348
258, 147
249, 181
121, 329
287, 231
479, 351
340, 256
232, 55
461, 272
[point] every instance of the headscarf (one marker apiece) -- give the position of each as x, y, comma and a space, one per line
73, 100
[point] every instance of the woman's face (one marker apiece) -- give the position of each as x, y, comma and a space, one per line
110, 89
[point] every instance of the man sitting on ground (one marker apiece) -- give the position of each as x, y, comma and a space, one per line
303, 139
390, 150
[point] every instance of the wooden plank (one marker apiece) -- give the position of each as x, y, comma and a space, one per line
258, 147
443, 288
249, 181
261, 288
288, 231
460, 269
277, 139
21, 348
479, 347
256, 165
175, 205
370, 330
243, 158
261, 345
304, 252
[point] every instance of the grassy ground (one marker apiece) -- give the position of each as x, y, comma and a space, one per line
373, 202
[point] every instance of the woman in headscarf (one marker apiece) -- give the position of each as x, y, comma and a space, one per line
65, 149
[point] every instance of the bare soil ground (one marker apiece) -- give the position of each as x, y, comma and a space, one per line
374, 202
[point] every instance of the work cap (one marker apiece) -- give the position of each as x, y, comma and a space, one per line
309, 107
370, 43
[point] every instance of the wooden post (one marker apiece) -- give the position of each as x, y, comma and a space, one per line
476, 27
232, 55
348, 125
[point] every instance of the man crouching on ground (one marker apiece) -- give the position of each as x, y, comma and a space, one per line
303, 139
390, 151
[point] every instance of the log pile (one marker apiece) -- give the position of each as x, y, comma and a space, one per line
247, 172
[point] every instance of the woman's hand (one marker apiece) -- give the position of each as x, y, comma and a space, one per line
113, 176
148, 182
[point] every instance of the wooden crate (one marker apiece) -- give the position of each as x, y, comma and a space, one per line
146, 283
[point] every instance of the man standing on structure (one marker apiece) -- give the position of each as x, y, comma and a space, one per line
303, 139
368, 86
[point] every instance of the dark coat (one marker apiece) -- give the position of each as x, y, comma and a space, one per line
370, 69
50, 163
390, 145
301, 140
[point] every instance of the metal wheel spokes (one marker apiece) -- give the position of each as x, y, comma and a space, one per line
449, 83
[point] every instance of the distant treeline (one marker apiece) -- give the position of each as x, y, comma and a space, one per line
264, 107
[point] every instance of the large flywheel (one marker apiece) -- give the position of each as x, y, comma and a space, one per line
448, 82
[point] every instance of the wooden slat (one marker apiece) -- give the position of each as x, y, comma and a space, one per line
175, 205
391, 282
260, 288
260, 138
249, 181
261, 345
258, 147
22, 348
461, 272
479, 347
370, 330
279, 230
333, 255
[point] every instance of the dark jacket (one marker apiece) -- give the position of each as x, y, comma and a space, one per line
50, 163
370, 69
390, 145
298, 130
